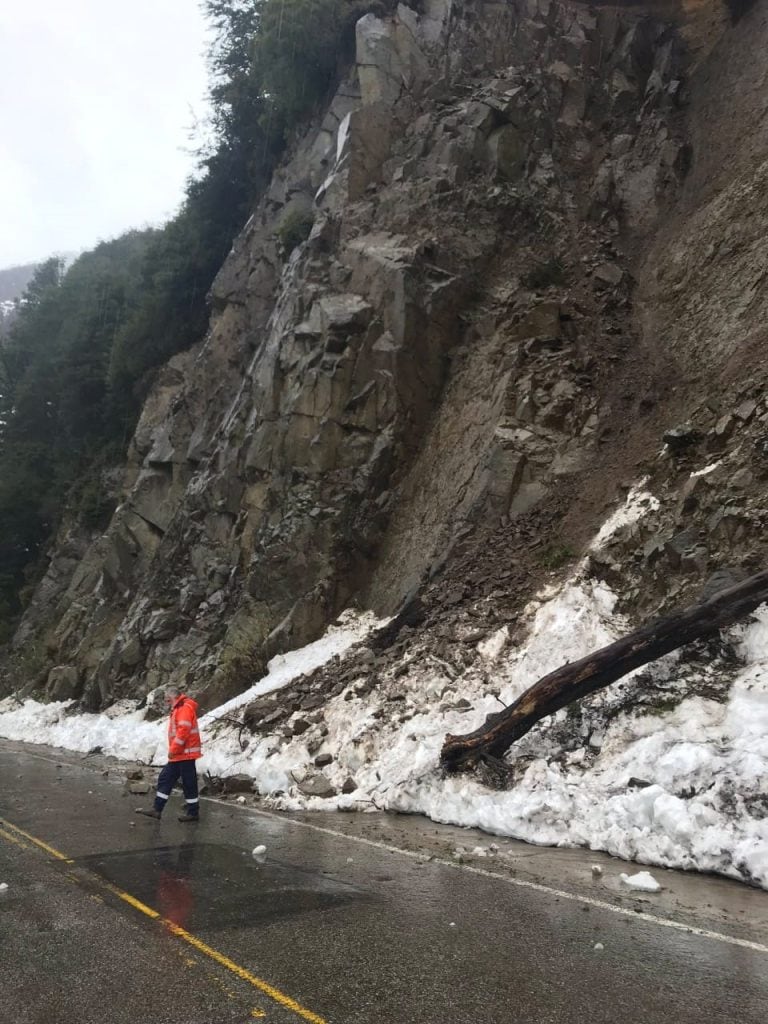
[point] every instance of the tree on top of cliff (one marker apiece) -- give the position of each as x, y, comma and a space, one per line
82, 354
297, 53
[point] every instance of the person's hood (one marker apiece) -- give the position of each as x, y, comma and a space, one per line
183, 699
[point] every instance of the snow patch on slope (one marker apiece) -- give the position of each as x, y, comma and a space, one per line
639, 502
350, 629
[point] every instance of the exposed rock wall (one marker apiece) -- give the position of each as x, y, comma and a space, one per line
447, 352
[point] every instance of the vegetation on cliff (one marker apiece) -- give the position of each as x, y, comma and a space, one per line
81, 355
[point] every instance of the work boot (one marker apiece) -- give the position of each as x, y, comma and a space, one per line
149, 812
186, 816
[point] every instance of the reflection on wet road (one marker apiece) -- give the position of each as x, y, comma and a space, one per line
207, 886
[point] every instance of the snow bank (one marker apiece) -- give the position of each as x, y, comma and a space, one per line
128, 736
122, 731
684, 787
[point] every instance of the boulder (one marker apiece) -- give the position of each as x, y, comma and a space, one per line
317, 785
508, 152
681, 543
63, 682
681, 438
609, 275
722, 579
481, 116
237, 784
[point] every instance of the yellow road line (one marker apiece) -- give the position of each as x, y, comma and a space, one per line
133, 902
244, 975
38, 842
13, 839
263, 986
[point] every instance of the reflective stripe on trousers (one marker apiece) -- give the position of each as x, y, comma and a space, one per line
169, 776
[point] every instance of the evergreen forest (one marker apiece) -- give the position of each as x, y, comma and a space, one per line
86, 342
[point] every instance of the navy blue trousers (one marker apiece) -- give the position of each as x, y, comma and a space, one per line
169, 776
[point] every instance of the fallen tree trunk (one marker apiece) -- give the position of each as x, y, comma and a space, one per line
600, 669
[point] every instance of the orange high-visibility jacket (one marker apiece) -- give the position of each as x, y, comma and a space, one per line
183, 733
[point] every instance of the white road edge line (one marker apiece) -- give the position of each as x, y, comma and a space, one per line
590, 901
520, 883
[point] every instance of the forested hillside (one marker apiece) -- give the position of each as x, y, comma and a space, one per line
80, 357
14, 280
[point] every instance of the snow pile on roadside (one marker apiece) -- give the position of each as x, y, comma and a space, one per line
128, 736
122, 732
703, 766
679, 786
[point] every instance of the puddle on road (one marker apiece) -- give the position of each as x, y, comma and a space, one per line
206, 886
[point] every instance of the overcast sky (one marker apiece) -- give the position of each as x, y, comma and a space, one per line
97, 98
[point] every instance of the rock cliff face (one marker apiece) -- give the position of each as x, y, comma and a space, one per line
524, 240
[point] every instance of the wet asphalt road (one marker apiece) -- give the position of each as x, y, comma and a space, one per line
324, 928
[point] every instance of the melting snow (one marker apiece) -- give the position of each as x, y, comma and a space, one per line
639, 502
352, 628
643, 881
703, 765
707, 469
128, 737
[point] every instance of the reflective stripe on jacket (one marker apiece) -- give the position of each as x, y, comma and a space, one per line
183, 733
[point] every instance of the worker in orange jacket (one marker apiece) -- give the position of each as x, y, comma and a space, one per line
184, 748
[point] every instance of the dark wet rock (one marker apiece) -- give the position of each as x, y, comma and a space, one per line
681, 543
722, 579
322, 760
317, 785
682, 438
237, 784
315, 700
695, 559
609, 275
273, 716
